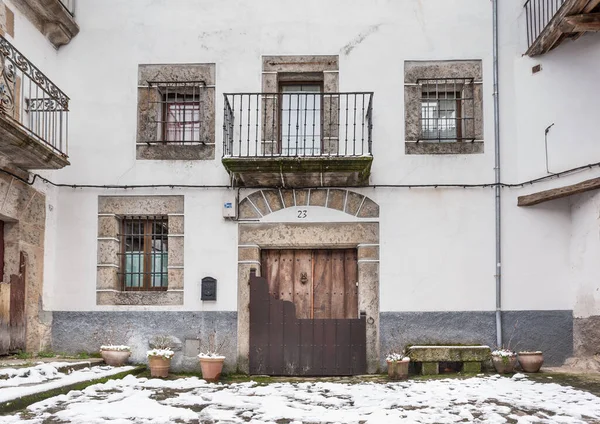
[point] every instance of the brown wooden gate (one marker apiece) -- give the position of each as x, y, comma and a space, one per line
12, 311
304, 314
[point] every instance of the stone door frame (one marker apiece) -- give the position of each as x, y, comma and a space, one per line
364, 236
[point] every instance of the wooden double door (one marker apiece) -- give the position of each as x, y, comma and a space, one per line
304, 317
322, 284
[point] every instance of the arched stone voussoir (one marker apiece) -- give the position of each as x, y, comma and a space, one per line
263, 202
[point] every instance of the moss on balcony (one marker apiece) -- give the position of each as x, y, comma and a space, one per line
297, 172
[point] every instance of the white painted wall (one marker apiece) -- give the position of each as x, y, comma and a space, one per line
437, 245
585, 251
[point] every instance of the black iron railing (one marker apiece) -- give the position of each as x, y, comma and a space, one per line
31, 100
538, 14
305, 124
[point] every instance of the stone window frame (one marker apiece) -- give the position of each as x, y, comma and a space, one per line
148, 144
299, 69
111, 209
458, 69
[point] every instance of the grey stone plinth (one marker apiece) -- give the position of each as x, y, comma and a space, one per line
471, 367
430, 368
449, 353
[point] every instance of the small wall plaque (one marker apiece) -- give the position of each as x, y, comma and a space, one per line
209, 289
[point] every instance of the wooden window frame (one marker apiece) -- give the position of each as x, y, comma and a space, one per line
148, 235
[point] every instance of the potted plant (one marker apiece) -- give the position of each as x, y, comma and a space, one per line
531, 361
115, 355
397, 365
211, 360
504, 360
159, 358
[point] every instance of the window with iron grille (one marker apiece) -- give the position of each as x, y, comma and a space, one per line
176, 112
177, 107
144, 249
447, 107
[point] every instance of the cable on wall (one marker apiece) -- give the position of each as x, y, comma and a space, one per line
221, 186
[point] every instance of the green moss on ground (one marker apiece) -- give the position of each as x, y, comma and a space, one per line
25, 401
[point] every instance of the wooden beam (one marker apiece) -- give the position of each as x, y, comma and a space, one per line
581, 23
592, 4
551, 36
558, 193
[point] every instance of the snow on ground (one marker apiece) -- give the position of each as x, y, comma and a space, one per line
492, 399
18, 382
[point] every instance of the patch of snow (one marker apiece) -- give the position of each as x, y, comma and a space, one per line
27, 385
492, 399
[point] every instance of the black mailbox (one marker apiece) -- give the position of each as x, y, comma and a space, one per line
209, 289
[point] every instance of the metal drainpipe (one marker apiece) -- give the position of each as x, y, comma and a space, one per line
497, 189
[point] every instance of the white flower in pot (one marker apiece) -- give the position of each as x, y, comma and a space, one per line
115, 355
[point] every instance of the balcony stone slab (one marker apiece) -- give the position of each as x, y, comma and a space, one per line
298, 172
24, 150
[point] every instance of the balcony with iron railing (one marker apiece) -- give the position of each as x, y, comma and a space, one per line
298, 139
33, 114
550, 22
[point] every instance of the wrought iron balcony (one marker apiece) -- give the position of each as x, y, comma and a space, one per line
550, 22
298, 139
33, 114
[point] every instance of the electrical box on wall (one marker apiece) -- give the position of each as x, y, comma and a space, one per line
208, 291
230, 204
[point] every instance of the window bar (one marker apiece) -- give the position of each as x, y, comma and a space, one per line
362, 119
354, 124
263, 135
164, 246
289, 122
248, 135
346, 124
330, 133
315, 97
298, 106
277, 117
241, 119
256, 130
304, 131
339, 105
152, 237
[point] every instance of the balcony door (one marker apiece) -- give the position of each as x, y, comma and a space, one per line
300, 119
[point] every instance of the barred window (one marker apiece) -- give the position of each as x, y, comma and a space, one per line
144, 250
447, 110
177, 107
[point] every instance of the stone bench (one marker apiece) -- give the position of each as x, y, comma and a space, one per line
431, 356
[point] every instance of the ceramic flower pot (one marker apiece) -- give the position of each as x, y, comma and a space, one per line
504, 364
159, 366
398, 370
115, 358
211, 367
531, 361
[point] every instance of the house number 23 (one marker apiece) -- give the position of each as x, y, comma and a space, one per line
301, 213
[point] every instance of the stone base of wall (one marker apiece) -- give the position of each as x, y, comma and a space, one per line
74, 332
548, 331
586, 335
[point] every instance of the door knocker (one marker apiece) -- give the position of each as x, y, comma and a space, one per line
303, 278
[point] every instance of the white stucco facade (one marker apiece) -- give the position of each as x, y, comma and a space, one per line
437, 245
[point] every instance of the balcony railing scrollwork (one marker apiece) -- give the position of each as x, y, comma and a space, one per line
31, 100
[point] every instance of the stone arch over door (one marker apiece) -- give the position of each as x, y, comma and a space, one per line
264, 202
362, 234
